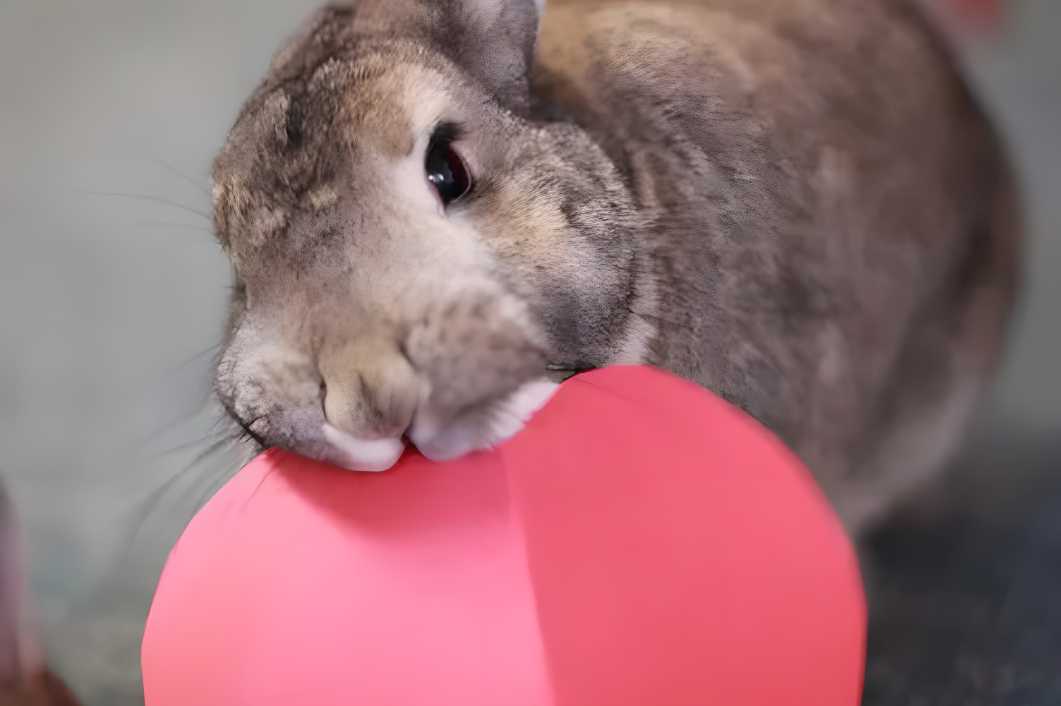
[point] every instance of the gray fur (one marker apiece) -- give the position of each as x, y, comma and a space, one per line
797, 204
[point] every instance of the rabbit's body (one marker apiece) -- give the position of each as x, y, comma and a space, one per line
833, 236
796, 204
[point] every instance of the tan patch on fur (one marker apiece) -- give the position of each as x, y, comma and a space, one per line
274, 114
376, 120
424, 97
323, 197
232, 199
268, 222
636, 345
394, 107
236, 196
540, 215
331, 75
531, 230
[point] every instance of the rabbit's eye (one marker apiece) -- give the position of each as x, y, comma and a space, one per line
445, 169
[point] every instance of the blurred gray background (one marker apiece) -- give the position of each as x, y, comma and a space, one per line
110, 304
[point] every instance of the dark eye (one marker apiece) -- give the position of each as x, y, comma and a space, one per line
446, 170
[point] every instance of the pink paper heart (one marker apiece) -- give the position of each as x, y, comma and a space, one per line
641, 543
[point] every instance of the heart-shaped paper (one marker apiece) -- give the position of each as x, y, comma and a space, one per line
641, 543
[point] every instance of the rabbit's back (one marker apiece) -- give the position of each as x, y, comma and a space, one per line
835, 230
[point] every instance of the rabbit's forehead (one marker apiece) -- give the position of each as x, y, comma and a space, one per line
389, 114
296, 147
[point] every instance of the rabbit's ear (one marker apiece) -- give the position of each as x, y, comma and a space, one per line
494, 40
19, 658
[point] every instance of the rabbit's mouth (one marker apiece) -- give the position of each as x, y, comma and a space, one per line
560, 372
437, 437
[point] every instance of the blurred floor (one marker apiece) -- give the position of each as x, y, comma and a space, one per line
966, 610
110, 305
965, 589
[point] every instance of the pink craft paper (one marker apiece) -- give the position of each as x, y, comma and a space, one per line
641, 543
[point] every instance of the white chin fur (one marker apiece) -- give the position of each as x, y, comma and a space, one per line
360, 454
441, 441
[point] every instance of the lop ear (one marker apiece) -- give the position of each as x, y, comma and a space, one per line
493, 40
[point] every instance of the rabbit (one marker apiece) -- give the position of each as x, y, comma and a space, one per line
436, 210
25, 680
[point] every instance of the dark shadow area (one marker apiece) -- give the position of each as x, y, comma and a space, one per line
966, 586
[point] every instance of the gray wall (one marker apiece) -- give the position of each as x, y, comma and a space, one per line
107, 303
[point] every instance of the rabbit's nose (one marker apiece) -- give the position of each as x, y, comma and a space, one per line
370, 394
368, 403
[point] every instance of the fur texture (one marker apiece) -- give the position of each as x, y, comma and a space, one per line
797, 204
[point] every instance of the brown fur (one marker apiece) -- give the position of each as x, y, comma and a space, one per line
798, 205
